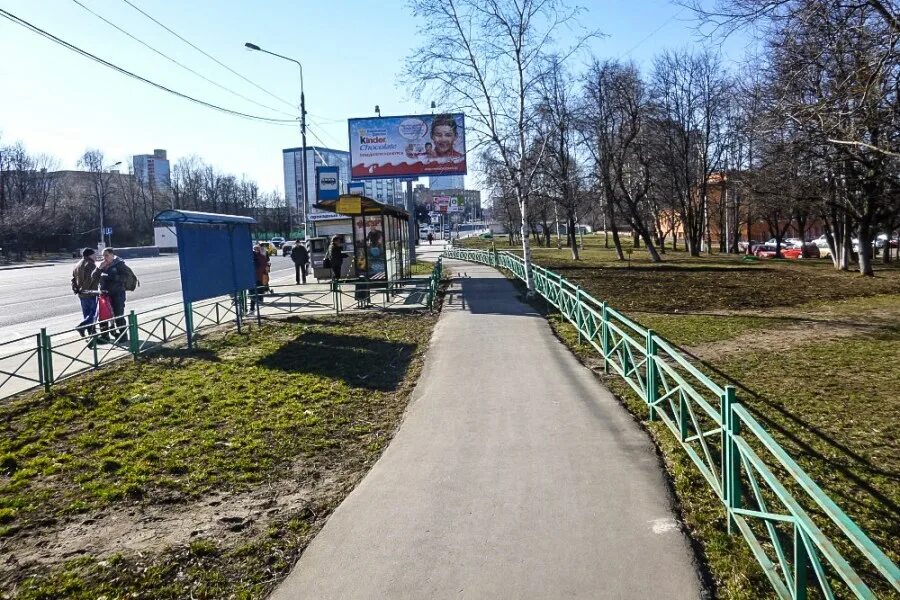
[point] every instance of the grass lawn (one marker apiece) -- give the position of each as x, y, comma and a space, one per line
203, 474
812, 352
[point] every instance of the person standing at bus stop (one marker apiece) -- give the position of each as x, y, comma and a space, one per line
300, 256
261, 273
335, 256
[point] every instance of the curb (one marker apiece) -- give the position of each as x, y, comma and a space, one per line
17, 267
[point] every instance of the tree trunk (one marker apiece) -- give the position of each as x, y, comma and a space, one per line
573, 243
864, 235
526, 245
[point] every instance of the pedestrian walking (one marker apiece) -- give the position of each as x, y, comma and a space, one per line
261, 272
116, 279
300, 256
430, 238
85, 278
335, 257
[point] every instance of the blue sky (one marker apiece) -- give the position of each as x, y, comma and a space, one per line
352, 50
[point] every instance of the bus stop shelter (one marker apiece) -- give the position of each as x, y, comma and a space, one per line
214, 256
380, 237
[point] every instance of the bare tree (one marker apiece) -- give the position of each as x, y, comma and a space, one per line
690, 97
616, 129
485, 57
560, 161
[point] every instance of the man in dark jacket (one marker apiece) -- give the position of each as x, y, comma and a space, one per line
112, 283
261, 271
84, 283
335, 256
300, 256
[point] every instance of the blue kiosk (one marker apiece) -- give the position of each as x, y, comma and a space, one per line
214, 253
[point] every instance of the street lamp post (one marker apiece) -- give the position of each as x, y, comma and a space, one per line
100, 198
303, 172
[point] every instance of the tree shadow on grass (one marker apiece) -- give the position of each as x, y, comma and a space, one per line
675, 268
373, 364
861, 465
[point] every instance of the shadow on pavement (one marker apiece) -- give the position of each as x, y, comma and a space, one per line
491, 296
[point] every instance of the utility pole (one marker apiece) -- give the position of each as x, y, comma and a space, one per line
304, 175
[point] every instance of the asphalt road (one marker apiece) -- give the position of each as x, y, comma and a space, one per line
42, 296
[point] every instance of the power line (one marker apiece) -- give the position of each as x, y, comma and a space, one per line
651, 34
23, 23
209, 56
325, 133
172, 60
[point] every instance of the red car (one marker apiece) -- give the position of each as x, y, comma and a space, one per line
806, 251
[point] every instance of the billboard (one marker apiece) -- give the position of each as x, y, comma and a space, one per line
441, 204
407, 146
449, 204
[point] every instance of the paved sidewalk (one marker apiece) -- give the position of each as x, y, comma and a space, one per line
515, 474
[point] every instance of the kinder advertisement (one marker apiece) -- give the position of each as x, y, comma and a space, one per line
388, 147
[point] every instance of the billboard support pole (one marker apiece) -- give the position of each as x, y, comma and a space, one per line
413, 225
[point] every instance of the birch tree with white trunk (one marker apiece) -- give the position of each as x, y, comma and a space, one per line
485, 58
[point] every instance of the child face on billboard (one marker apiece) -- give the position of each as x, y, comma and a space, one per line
444, 136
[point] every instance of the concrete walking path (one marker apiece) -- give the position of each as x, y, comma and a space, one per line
515, 474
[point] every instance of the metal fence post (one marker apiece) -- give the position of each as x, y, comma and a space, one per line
604, 336
578, 312
40, 359
731, 475
336, 292
650, 370
47, 344
801, 560
189, 323
133, 341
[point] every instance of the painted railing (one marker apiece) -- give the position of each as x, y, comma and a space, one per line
767, 497
44, 359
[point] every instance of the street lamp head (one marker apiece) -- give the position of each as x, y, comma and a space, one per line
117, 164
251, 46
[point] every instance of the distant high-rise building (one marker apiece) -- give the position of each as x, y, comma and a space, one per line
387, 191
316, 156
152, 169
447, 182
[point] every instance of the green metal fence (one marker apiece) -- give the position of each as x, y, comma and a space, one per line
767, 497
44, 359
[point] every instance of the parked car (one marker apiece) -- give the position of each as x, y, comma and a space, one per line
277, 241
764, 251
808, 250
882, 240
286, 248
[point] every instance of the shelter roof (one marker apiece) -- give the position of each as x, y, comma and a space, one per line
191, 216
367, 206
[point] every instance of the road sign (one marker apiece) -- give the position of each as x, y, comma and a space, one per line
357, 187
327, 183
107, 231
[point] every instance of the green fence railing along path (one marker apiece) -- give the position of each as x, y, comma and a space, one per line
766, 496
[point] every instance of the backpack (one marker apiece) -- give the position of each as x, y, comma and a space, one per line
129, 280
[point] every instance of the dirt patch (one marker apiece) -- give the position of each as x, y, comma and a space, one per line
152, 529
782, 339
